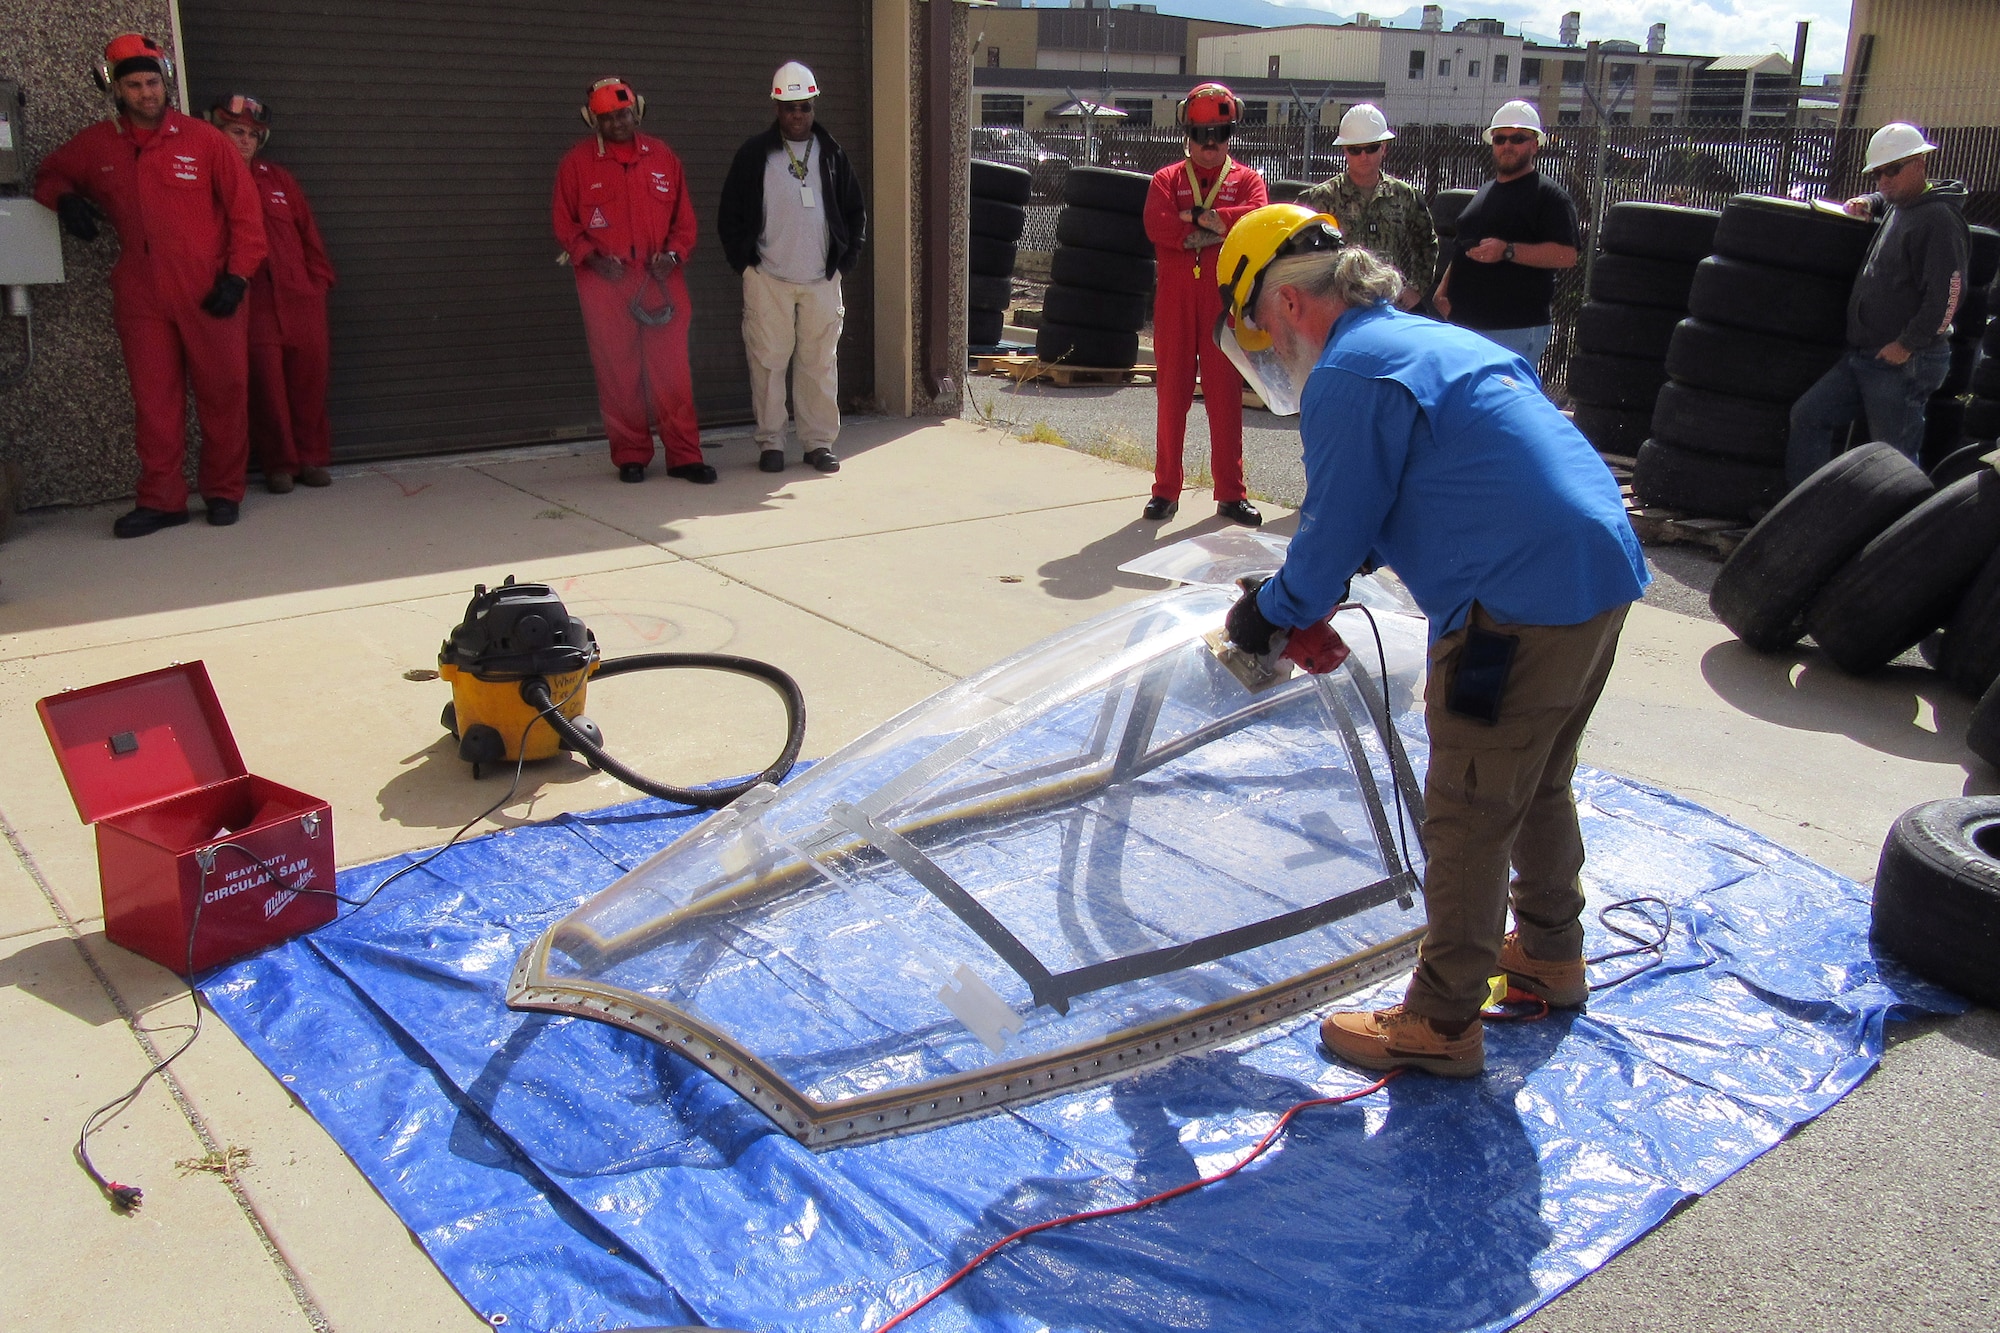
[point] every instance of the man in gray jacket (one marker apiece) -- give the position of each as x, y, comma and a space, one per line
1899, 315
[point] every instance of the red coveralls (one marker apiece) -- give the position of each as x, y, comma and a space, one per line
289, 352
185, 210
1184, 314
632, 210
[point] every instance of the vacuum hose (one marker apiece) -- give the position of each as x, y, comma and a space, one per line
535, 690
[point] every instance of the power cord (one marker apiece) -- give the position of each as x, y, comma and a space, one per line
124, 1198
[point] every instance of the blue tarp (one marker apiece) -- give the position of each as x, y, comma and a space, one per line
571, 1175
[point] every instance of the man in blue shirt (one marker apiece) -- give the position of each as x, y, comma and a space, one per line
1432, 450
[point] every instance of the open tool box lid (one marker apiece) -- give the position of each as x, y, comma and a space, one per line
126, 744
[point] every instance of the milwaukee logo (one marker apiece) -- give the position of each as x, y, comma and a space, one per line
278, 902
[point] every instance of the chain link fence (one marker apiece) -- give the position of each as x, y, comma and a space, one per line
1599, 166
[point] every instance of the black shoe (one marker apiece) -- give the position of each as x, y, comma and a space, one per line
631, 472
701, 474
823, 460
771, 460
1240, 511
144, 522
221, 513
1160, 508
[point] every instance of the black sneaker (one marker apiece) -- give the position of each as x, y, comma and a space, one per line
221, 513
701, 474
771, 460
631, 472
144, 522
1159, 509
823, 460
1240, 511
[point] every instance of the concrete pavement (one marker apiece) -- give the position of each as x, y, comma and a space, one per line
939, 548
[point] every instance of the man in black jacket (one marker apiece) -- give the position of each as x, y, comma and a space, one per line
792, 222
1899, 315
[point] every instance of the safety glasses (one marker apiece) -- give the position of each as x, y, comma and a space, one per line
795, 108
1513, 138
1892, 169
1363, 148
1208, 135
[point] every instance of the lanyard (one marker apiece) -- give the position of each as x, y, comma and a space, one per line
1201, 204
798, 164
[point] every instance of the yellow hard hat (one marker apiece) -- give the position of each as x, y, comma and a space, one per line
1253, 244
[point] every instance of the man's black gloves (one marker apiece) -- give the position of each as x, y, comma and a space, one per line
78, 216
1246, 626
225, 296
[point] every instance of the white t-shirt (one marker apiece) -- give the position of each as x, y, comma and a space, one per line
792, 247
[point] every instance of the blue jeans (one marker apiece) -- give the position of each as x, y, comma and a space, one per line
1528, 344
1889, 398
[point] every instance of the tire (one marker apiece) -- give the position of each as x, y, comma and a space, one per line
1944, 428
1122, 312
989, 293
1762, 591
1000, 222
990, 258
1989, 339
1958, 375
1446, 205
1627, 382
1961, 462
1626, 330
1098, 230
1287, 191
1969, 653
1702, 484
1106, 349
1626, 280
1982, 419
984, 328
1982, 736
1721, 424
1102, 270
1770, 300
1745, 364
1985, 378
1937, 894
1660, 231
1907, 581
1121, 192
1790, 235
1971, 320
1612, 430
1000, 181
1984, 261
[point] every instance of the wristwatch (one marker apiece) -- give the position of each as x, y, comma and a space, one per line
1508, 254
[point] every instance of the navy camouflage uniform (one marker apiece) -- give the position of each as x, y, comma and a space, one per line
1391, 221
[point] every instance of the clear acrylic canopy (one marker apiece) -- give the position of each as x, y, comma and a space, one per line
1091, 857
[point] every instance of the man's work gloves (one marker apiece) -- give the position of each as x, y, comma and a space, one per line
78, 216
606, 267
1246, 626
225, 296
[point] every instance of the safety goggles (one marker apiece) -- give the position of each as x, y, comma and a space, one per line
1363, 148
1513, 138
1208, 135
250, 107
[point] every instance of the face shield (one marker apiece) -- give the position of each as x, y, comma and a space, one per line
1262, 369
1249, 348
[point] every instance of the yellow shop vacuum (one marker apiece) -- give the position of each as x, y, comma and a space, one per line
520, 665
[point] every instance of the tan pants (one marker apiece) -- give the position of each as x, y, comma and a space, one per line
1498, 796
779, 319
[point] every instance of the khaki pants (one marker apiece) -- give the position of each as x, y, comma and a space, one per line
780, 318
1498, 796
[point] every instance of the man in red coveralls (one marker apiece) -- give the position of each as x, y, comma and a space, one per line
289, 352
191, 233
1191, 208
623, 217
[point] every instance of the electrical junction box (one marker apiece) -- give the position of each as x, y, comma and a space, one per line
30, 243
194, 855
12, 148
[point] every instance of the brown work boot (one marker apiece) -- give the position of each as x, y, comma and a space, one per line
1395, 1038
315, 476
278, 483
1558, 985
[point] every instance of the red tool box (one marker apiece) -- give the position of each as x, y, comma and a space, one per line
193, 854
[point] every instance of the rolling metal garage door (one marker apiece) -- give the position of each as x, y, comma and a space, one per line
426, 134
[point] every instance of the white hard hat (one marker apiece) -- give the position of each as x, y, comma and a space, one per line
1516, 115
1894, 142
793, 83
1363, 124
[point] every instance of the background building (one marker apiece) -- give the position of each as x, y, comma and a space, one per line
1935, 62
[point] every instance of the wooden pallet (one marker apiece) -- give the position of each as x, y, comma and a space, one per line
1024, 369
1670, 527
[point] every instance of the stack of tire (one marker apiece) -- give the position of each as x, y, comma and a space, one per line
1767, 317
1446, 205
1945, 414
1639, 284
1870, 556
999, 215
1101, 279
